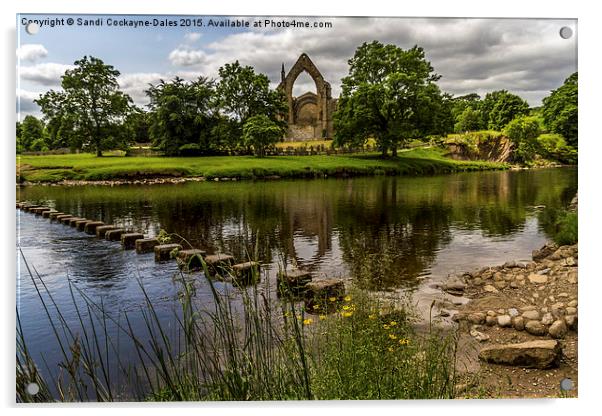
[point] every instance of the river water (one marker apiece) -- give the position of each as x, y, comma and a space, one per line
382, 233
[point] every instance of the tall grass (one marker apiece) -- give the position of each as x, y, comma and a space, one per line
245, 346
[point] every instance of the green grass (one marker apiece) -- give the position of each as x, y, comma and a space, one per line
53, 168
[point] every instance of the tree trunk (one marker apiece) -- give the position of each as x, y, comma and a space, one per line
98, 152
383, 153
394, 151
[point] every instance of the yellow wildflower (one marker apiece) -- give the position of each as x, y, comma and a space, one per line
393, 323
390, 349
316, 306
346, 314
346, 307
307, 321
373, 316
404, 341
392, 336
385, 326
322, 317
347, 298
332, 298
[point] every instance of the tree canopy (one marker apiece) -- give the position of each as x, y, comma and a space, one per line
390, 94
560, 110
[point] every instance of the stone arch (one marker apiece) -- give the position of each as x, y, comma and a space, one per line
322, 98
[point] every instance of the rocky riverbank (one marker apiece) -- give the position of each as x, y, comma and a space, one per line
519, 329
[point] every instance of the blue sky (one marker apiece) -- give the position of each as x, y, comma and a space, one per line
526, 56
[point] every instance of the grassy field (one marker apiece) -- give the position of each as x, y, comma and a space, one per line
54, 168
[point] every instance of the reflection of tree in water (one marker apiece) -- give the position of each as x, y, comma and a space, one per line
393, 254
390, 228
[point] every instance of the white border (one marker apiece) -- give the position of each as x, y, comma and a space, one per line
589, 26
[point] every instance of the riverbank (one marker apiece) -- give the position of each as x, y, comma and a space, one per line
518, 330
81, 169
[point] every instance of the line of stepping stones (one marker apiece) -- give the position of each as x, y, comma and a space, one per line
293, 282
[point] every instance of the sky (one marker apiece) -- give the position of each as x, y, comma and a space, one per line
525, 56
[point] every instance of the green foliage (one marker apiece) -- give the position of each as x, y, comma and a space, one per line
500, 107
91, 107
468, 120
561, 225
553, 147
389, 95
523, 131
32, 134
182, 115
259, 132
473, 139
560, 110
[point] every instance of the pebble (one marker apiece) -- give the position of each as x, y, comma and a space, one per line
476, 318
490, 320
531, 315
571, 311
504, 320
491, 313
547, 319
571, 321
518, 323
490, 289
535, 328
538, 278
558, 329
500, 285
479, 336
513, 312
572, 304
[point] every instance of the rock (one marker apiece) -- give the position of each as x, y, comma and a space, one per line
571, 311
535, 328
477, 281
479, 336
572, 304
191, 259
476, 318
571, 322
115, 235
513, 312
533, 354
510, 264
501, 311
500, 285
518, 323
219, 263
570, 261
324, 289
90, 227
248, 272
538, 278
531, 315
101, 230
547, 319
490, 289
514, 285
529, 308
163, 251
504, 320
558, 329
490, 320
146, 245
128, 240
454, 287
544, 252
572, 277
491, 313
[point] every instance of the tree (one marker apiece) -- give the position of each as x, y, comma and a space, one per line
560, 110
182, 116
92, 102
390, 94
523, 132
259, 132
32, 132
468, 120
242, 93
499, 108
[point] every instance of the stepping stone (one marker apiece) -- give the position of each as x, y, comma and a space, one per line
247, 272
114, 235
190, 259
64, 219
90, 227
54, 215
128, 240
73, 221
46, 214
219, 263
101, 230
163, 251
531, 354
146, 245
40, 210
325, 289
29, 208
293, 280
81, 224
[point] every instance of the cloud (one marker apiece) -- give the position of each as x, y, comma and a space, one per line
48, 74
31, 52
182, 56
526, 56
25, 103
192, 37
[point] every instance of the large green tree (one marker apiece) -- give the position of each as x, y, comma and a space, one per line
241, 93
560, 110
259, 132
182, 116
32, 134
523, 131
499, 108
390, 94
93, 103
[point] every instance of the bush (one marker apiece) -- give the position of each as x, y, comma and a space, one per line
554, 147
560, 225
523, 131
